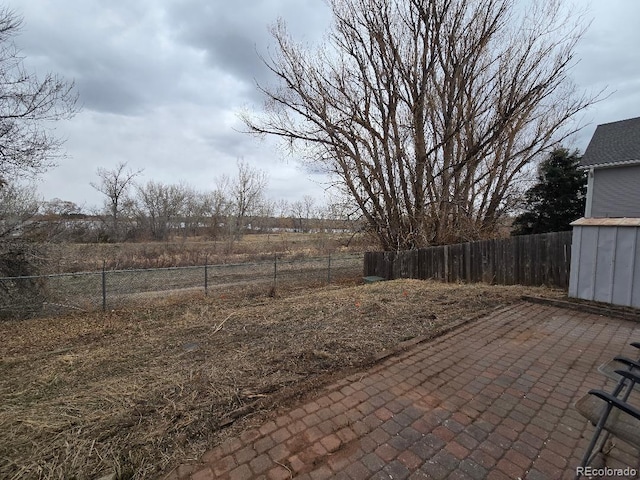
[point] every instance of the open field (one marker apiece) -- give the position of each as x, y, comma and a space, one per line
72, 257
139, 391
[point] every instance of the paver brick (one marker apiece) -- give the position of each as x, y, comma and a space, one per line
281, 435
204, 474
223, 465
391, 427
279, 452
322, 473
373, 462
483, 458
525, 449
357, 470
261, 464
396, 470
410, 459
230, 445
279, 473
444, 434
473, 469
399, 443
457, 450
245, 455
243, 472
264, 444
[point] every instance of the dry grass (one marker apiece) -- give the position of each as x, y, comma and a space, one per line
140, 391
72, 257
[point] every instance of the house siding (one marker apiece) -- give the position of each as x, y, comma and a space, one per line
616, 192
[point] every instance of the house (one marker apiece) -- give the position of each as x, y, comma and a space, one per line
605, 251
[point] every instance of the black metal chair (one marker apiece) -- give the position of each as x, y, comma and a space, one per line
614, 413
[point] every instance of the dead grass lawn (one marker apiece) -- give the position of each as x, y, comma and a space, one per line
139, 391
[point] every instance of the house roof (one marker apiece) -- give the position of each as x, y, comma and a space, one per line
614, 144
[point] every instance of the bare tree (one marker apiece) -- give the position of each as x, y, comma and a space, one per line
61, 221
19, 257
18, 207
160, 207
428, 112
246, 194
28, 105
218, 208
302, 212
115, 185
195, 209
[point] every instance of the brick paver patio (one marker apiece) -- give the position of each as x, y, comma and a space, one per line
491, 399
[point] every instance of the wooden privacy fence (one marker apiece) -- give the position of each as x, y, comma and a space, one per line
542, 259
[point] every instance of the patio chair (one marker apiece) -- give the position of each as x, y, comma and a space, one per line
616, 413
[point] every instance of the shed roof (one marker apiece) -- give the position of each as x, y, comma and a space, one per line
616, 143
606, 222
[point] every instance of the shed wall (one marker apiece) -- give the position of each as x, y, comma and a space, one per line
605, 264
616, 192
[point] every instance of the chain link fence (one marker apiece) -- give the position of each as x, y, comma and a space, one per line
108, 289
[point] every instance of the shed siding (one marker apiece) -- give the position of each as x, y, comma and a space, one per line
624, 272
605, 264
605, 257
616, 192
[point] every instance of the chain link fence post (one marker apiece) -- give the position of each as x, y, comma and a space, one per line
206, 275
104, 285
275, 271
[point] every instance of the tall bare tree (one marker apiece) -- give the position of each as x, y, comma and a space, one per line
28, 105
428, 112
116, 184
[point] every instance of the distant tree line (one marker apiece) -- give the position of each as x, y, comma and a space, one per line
154, 211
134, 210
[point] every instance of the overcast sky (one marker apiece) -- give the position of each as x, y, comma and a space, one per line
161, 83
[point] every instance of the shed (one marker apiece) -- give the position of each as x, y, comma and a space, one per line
605, 252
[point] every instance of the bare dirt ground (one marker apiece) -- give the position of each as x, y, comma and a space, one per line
139, 391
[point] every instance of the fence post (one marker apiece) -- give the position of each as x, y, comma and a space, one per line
206, 275
446, 263
329, 271
275, 271
104, 286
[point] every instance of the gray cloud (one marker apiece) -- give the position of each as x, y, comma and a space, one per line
610, 62
162, 81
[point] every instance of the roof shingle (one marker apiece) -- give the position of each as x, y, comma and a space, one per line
616, 142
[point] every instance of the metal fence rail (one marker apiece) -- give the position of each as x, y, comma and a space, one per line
107, 289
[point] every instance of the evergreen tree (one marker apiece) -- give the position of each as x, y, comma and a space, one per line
557, 199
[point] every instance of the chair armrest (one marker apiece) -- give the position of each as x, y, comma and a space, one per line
617, 403
633, 376
627, 361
